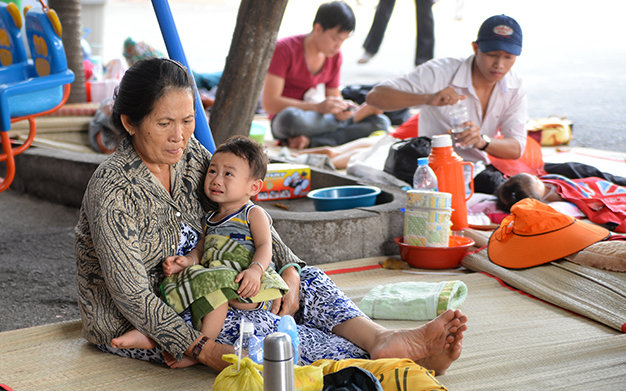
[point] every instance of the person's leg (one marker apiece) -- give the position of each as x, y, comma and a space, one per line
292, 122
337, 150
212, 324
325, 307
574, 170
133, 339
425, 45
379, 25
434, 346
152, 355
349, 131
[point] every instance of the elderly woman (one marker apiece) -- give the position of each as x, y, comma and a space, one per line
145, 203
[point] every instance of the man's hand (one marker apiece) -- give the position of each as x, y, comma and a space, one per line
348, 112
333, 105
290, 303
470, 137
447, 96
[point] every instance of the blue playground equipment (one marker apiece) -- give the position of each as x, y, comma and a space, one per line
29, 87
176, 52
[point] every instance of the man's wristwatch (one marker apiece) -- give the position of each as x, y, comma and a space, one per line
487, 140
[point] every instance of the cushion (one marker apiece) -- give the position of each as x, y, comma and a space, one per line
608, 255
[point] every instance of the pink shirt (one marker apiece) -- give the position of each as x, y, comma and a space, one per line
289, 63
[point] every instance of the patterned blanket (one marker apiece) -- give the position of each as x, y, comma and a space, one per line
209, 285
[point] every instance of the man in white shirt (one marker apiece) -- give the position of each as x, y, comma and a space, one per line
493, 93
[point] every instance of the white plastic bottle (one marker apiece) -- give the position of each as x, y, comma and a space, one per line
242, 344
424, 177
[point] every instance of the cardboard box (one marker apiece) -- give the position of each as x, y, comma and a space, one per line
284, 181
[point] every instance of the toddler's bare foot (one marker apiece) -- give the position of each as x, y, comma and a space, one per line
184, 363
133, 340
435, 345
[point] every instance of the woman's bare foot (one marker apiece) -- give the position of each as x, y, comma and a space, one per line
435, 345
184, 363
133, 340
442, 361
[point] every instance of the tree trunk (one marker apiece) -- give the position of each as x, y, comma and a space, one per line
250, 53
69, 15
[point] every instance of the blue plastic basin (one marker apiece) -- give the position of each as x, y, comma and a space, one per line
343, 197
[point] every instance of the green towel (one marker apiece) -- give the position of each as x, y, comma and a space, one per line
206, 288
413, 300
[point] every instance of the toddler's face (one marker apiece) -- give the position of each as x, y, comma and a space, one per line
228, 179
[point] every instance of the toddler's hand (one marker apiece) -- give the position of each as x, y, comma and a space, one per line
250, 282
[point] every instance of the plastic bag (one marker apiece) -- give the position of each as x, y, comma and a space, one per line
309, 378
247, 378
550, 131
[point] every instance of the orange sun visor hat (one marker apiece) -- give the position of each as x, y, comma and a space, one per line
535, 234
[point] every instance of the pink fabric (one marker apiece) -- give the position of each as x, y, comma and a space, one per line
289, 63
600, 200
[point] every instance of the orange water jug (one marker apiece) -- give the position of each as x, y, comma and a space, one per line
449, 169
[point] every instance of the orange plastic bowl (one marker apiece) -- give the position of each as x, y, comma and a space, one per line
435, 257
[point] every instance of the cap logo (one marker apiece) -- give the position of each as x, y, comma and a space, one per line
503, 30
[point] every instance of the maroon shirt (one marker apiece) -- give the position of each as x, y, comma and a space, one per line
289, 63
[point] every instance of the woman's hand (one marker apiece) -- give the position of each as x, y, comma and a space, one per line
176, 264
210, 355
290, 303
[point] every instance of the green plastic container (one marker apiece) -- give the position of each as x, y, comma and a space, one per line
17, 2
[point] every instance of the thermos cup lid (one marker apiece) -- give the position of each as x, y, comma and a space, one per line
277, 347
441, 140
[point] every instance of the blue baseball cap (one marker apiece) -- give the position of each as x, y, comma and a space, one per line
500, 32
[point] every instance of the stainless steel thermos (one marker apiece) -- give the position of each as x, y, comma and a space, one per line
278, 364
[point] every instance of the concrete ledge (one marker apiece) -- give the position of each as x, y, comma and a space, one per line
317, 237
56, 176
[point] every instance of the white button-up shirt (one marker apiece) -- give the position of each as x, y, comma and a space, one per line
506, 110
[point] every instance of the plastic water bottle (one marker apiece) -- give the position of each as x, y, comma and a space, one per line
459, 114
424, 177
248, 345
287, 325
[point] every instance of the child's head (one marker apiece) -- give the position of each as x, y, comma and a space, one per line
516, 189
236, 170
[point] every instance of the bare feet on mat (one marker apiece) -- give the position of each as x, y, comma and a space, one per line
133, 340
434, 346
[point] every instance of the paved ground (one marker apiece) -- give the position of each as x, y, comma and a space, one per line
37, 272
573, 63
